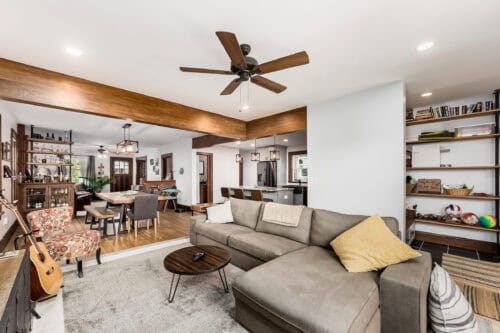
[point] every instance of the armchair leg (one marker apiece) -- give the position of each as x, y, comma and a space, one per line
79, 265
98, 255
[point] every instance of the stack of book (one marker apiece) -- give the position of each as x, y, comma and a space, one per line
436, 136
450, 111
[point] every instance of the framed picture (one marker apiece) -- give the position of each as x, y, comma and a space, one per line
6, 151
151, 161
202, 167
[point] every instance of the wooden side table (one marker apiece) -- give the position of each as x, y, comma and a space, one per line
201, 207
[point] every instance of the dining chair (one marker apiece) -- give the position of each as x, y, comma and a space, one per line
225, 192
145, 208
171, 194
238, 193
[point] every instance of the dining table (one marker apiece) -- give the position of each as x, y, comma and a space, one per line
124, 199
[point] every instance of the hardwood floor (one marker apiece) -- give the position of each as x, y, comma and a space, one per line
172, 226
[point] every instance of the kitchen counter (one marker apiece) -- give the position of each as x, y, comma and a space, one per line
280, 195
266, 189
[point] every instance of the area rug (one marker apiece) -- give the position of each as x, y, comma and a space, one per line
130, 295
479, 282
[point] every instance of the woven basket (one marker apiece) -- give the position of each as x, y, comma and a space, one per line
461, 192
410, 187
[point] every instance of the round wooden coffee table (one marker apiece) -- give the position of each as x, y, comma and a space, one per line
180, 262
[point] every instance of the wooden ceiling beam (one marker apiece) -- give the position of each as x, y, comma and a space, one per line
210, 140
280, 123
27, 84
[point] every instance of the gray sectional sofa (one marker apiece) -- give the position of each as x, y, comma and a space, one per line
295, 282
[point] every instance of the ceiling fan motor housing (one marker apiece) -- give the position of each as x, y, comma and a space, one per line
251, 63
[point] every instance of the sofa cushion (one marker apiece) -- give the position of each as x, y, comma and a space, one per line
327, 225
263, 246
220, 232
371, 246
310, 290
300, 233
245, 212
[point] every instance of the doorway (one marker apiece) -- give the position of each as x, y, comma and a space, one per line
121, 171
205, 177
167, 166
141, 170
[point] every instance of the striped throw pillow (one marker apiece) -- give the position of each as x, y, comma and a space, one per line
449, 311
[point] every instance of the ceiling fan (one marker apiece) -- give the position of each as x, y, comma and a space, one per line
247, 68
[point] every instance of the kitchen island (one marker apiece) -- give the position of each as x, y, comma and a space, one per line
280, 195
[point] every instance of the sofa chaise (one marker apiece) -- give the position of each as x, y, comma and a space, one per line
295, 282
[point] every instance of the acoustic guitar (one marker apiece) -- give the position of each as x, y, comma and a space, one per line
45, 274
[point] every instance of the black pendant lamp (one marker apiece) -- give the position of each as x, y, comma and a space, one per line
274, 154
255, 156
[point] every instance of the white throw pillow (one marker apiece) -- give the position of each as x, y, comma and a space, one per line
220, 213
449, 310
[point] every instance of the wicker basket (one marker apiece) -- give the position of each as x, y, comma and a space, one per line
460, 192
410, 187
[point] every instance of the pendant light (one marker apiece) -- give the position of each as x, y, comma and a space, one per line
239, 158
274, 154
255, 156
101, 152
127, 146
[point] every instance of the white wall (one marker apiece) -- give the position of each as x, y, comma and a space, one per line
183, 156
8, 121
225, 171
356, 153
464, 153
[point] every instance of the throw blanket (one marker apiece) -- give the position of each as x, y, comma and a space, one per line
282, 214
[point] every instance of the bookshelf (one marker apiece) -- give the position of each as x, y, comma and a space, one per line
493, 167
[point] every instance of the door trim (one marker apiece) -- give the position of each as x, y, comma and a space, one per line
210, 174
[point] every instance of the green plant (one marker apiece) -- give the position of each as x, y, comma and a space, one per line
97, 183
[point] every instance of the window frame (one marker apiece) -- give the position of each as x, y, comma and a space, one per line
291, 154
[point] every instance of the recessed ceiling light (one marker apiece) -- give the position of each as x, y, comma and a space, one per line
426, 94
285, 140
238, 142
252, 145
73, 51
425, 46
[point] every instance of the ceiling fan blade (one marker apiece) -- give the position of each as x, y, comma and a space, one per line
268, 84
204, 70
230, 43
292, 60
231, 87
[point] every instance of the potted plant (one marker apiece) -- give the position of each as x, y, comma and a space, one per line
97, 183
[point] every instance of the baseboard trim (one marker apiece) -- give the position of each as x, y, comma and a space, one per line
464, 243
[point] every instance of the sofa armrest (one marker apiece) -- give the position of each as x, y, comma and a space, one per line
403, 295
195, 220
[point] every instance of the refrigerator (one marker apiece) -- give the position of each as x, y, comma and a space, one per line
267, 173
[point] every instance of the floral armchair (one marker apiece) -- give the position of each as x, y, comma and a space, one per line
52, 226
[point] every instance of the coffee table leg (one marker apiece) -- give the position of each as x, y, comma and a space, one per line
223, 280
170, 295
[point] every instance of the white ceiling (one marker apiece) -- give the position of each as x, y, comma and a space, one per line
89, 132
295, 139
139, 45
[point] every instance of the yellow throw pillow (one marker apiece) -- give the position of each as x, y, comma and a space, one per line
370, 246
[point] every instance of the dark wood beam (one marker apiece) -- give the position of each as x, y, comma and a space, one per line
281, 123
27, 84
210, 140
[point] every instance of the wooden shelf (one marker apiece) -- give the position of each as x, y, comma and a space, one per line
56, 142
49, 164
464, 226
463, 116
464, 138
46, 152
468, 197
475, 167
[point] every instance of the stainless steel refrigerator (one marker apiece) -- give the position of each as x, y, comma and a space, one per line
267, 173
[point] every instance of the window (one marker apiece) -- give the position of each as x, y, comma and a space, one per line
79, 169
121, 167
297, 166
